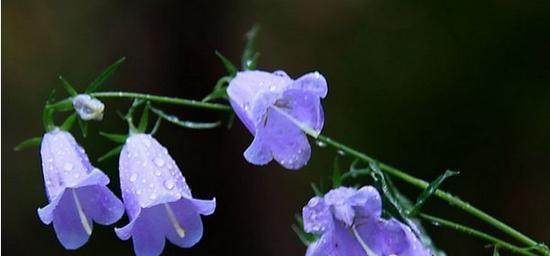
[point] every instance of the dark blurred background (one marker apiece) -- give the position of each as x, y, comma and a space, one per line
422, 85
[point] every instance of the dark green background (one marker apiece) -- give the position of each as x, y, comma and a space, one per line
422, 85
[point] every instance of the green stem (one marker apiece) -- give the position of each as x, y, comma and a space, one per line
473, 232
453, 200
162, 99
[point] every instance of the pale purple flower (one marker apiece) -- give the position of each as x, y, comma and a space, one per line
158, 201
88, 108
76, 191
349, 223
277, 110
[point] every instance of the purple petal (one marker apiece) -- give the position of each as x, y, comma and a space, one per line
258, 152
317, 217
367, 202
312, 82
305, 107
100, 204
339, 242
46, 213
204, 207
189, 220
147, 232
68, 225
289, 145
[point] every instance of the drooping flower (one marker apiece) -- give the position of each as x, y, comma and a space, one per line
76, 191
88, 108
277, 110
349, 223
158, 201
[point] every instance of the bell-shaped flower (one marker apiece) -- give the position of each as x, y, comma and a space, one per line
277, 110
88, 108
349, 223
158, 201
76, 191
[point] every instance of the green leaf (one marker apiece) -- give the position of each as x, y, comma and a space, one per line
298, 228
113, 152
32, 142
231, 69
67, 86
119, 138
61, 106
144, 120
104, 76
337, 174
220, 90
316, 189
231, 120
354, 171
250, 56
69, 122
495, 251
430, 190
83, 127
184, 123
388, 192
156, 126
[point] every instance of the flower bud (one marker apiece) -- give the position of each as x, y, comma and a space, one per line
88, 108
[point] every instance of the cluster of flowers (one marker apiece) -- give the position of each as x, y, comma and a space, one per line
278, 111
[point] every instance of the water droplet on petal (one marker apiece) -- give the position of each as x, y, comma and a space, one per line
143, 180
157, 173
133, 177
68, 167
159, 161
153, 196
169, 184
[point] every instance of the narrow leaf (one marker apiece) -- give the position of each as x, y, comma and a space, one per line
144, 120
67, 86
63, 105
495, 251
184, 123
119, 138
337, 174
156, 126
430, 190
316, 189
83, 127
113, 152
231, 120
104, 76
231, 69
32, 142
69, 122
250, 56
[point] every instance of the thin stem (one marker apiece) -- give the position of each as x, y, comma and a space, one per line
453, 200
470, 231
162, 99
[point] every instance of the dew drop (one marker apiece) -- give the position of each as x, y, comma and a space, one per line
143, 180
153, 196
341, 152
321, 144
157, 173
159, 162
138, 192
169, 184
147, 142
133, 177
67, 167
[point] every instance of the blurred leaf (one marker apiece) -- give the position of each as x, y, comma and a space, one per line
68, 123
220, 90
156, 126
183, 123
298, 228
495, 251
32, 142
67, 86
104, 76
63, 105
250, 56
142, 126
336, 174
113, 152
230, 120
83, 127
430, 190
354, 171
394, 206
316, 189
119, 138
231, 69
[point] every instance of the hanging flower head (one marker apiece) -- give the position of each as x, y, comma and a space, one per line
277, 110
76, 191
349, 223
158, 201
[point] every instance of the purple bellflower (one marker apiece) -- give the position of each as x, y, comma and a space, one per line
158, 201
76, 191
277, 110
349, 223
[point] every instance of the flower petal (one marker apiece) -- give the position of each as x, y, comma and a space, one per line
204, 207
46, 213
305, 107
100, 204
147, 232
258, 152
67, 223
317, 217
289, 145
313, 82
189, 220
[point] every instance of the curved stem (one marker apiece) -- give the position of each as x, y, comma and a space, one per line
162, 99
453, 200
470, 231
